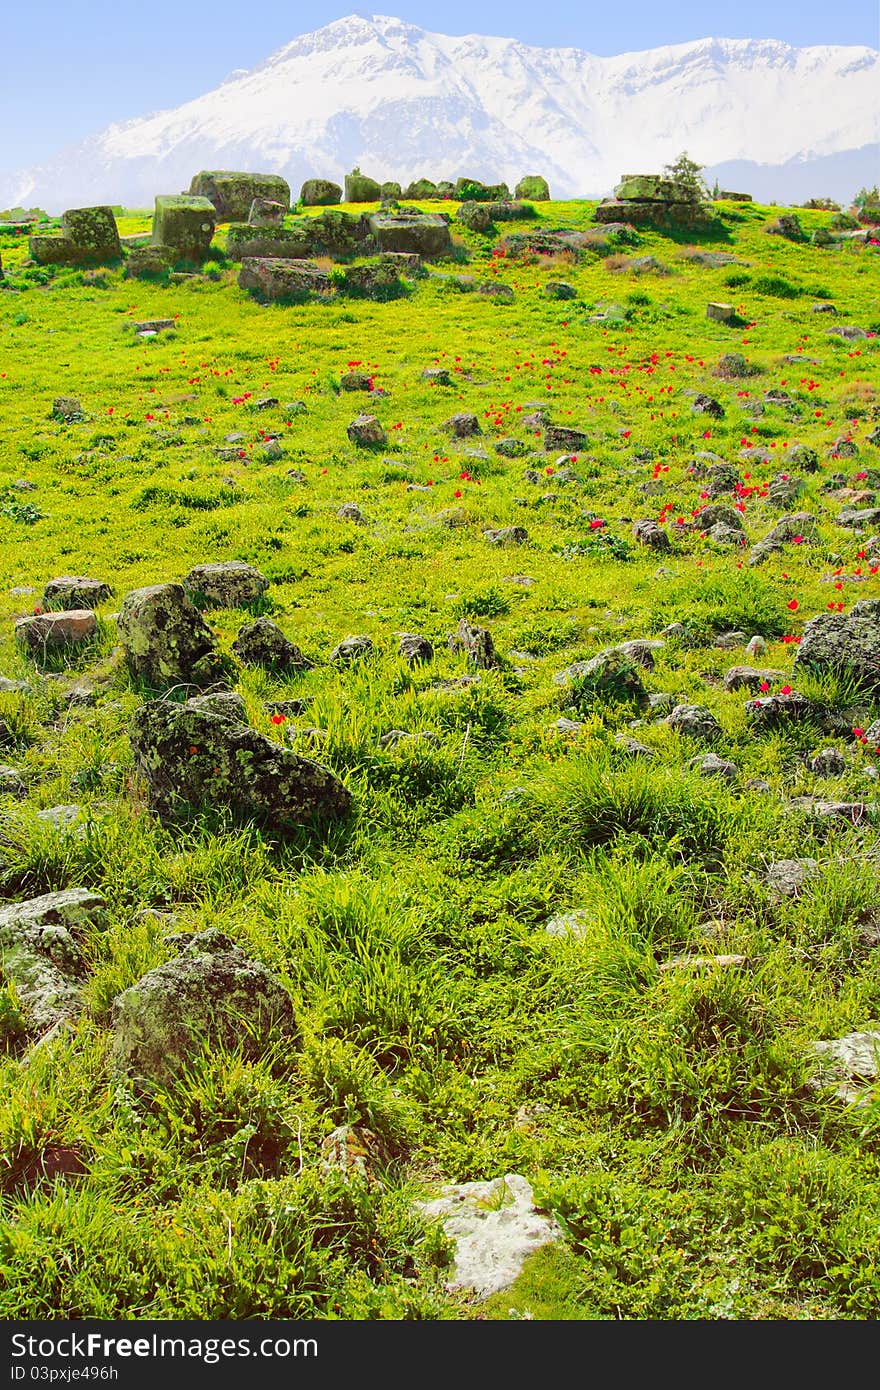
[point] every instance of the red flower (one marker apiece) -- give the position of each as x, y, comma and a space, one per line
785, 690
279, 718
793, 605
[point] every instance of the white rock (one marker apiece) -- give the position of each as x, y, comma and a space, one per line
495, 1227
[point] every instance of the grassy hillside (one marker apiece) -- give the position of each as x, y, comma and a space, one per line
662, 1113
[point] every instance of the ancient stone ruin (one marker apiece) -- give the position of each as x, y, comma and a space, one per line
184, 224
89, 236
649, 200
231, 194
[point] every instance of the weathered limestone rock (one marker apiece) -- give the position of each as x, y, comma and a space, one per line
778, 711
319, 193
185, 224
560, 437
786, 877
477, 643
559, 289
276, 279
165, 639
462, 425
379, 280
203, 753
495, 1227
231, 194
89, 236
211, 994
783, 533
224, 584
366, 431
475, 216
533, 187
612, 674
848, 1065
828, 762
647, 532
142, 262
56, 629
262, 643
845, 642
12, 782
414, 648
67, 408
265, 212
70, 592
351, 649
749, 678
245, 241
360, 188
685, 216
710, 765
695, 721
426, 234
720, 313
507, 535
40, 952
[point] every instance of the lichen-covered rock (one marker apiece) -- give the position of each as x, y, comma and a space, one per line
366, 431
559, 289
231, 193
560, 437
848, 1064
12, 782
350, 511
277, 278
89, 236
533, 187
40, 952
75, 591
265, 212
415, 649
262, 643
475, 216
510, 448
66, 629
733, 366
828, 762
145, 262
165, 639
426, 234
786, 877
462, 425
707, 405
351, 649
695, 721
845, 643
360, 188
212, 994
777, 711
647, 532
186, 224
379, 280
224, 584
719, 312
801, 524
495, 1227
245, 241
749, 678
710, 765
320, 193
507, 535
612, 674
202, 753
477, 643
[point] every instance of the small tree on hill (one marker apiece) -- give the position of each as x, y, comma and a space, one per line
867, 204
687, 173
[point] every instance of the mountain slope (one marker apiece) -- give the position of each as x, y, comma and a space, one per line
402, 102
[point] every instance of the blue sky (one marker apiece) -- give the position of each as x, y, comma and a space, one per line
68, 69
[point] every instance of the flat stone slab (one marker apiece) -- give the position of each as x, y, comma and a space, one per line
848, 1063
495, 1227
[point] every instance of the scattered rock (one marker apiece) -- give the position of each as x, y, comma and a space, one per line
262, 643
558, 437
212, 994
462, 425
70, 592
203, 753
477, 643
224, 584
713, 766
495, 1227
366, 431
40, 953
828, 762
350, 511
749, 678
66, 629
695, 721
844, 642
647, 532
848, 1063
507, 535
415, 648
786, 877
165, 638
351, 649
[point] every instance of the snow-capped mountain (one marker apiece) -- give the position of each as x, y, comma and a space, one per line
401, 102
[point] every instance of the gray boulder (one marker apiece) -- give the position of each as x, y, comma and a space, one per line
844, 642
779, 711
647, 532
70, 628
40, 953
612, 675
559, 437
184, 224
71, 591
415, 648
277, 278
351, 649
786, 877
319, 193
507, 535
202, 753
166, 640
366, 431
462, 425
262, 643
212, 994
231, 192
477, 643
422, 233
695, 721
224, 584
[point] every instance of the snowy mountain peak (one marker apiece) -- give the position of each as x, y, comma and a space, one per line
402, 102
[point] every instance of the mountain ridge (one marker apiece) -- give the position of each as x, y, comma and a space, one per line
387, 95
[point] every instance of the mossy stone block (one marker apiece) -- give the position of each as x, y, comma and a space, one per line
231, 193
185, 223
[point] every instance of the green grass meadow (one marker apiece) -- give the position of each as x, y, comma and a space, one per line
663, 1115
